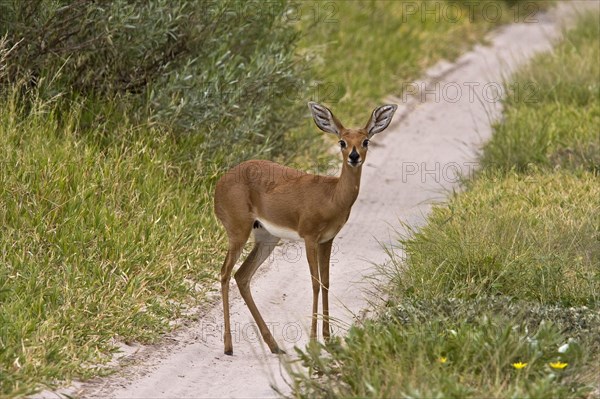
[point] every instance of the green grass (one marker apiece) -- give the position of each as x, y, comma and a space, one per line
458, 349
506, 272
532, 237
97, 242
367, 50
553, 113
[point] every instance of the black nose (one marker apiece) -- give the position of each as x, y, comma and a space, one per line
354, 157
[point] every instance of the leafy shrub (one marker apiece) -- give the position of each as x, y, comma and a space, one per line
220, 69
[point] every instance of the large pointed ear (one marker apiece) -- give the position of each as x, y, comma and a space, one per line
380, 119
325, 119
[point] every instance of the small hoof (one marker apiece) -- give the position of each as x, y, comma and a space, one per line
229, 353
278, 351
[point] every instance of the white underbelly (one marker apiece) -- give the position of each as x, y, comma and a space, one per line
279, 231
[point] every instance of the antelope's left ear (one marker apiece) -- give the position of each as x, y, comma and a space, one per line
380, 119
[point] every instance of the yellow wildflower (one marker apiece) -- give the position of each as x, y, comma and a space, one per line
442, 359
558, 365
519, 365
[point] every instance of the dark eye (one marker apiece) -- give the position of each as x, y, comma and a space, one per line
365, 143
342, 144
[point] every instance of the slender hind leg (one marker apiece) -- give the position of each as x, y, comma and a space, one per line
236, 246
233, 255
264, 246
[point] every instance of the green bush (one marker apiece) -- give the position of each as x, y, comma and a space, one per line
224, 71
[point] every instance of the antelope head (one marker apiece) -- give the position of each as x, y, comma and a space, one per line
354, 143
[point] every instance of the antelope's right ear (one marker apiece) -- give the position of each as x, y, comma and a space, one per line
325, 119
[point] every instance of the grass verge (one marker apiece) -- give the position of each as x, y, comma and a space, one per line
555, 125
532, 237
499, 294
95, 244
455, 348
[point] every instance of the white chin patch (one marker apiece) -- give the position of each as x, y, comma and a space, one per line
355, 164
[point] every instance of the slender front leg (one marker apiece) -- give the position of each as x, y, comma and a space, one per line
313, 264
324, 256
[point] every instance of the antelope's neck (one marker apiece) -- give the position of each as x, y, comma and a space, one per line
347, 186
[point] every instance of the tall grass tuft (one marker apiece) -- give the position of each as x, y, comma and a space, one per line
96, 243
532, 237
556, 124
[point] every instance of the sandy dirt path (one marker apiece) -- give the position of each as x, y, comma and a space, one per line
436, 133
